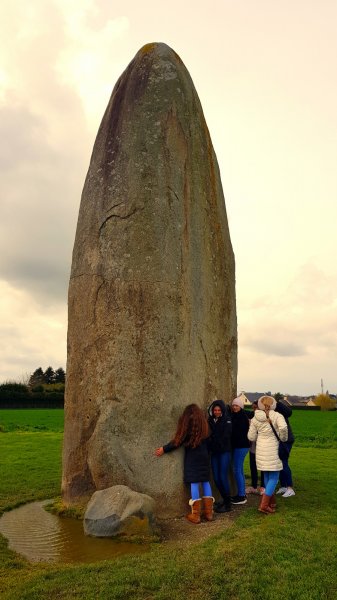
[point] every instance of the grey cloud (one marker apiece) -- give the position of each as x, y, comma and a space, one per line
40, 194
312, 286
21, 133
276, 348
46, 279
19, 351
16, 365
298, 322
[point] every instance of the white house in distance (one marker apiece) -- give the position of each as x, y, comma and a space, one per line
297, 400
250, 397
300, 401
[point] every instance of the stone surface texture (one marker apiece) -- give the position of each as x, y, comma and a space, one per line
118, 511
152, 313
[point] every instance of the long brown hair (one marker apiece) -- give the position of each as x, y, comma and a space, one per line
192, 427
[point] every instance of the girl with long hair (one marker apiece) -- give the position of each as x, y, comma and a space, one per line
192, 433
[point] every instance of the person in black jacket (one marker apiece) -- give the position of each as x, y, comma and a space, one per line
192, 433
219, 443
286, 480
240, 447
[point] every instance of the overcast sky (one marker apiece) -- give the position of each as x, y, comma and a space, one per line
265, 72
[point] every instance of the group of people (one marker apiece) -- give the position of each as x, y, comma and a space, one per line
221, 440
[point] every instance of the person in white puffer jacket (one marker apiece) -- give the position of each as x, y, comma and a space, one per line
267, 458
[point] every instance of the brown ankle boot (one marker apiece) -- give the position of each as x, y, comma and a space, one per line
264, 505
272, 502
208, 507
194, 516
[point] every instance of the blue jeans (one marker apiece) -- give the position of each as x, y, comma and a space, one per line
286, 479
239, 455
195, 490
220, 466
270, 481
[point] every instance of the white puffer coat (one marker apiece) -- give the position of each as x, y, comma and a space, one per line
267, 458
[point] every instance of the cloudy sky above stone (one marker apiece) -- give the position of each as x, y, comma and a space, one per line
265, 72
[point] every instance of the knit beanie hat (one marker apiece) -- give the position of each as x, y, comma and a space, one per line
266, 401
238, 402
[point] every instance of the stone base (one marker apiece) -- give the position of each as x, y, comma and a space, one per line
119, 511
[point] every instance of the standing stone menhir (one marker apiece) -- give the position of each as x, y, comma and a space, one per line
152, 316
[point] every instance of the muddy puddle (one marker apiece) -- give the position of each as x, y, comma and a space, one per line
42, 537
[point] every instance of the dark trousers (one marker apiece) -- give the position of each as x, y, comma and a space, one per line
286, 479
253, 471
220, 466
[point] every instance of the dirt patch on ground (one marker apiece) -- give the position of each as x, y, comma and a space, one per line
182, 532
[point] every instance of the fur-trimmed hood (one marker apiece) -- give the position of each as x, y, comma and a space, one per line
221, 429
261, 416
224, 407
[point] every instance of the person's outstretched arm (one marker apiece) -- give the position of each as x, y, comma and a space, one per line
163, 449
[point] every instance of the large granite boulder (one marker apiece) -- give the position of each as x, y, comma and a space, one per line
152, 315
119, 511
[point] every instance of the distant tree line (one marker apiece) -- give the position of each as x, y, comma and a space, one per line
45, 389
48, 377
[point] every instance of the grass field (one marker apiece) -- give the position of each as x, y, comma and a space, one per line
39, 419
290, 555
315, 428
30, 467
310, 427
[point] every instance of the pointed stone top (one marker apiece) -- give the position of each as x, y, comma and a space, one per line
156, 52
163, 50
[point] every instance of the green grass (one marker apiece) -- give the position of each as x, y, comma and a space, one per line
291, 555
39, 419
315, 428
30, 465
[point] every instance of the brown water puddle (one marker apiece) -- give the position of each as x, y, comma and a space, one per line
43, 537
